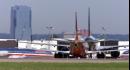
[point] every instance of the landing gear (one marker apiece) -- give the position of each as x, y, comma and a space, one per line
101, 55
61, 55
115, 54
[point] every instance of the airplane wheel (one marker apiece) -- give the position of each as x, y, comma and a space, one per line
101, 55
115, 54
61, 55
58, 55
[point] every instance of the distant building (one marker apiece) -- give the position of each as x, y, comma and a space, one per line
21, 23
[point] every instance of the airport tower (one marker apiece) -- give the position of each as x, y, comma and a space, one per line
21, 22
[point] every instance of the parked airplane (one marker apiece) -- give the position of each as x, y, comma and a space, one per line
77, 48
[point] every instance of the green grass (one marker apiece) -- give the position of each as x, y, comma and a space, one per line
62, 66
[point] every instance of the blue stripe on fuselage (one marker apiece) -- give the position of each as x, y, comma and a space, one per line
16, 50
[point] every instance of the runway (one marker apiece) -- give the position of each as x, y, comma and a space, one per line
65, 60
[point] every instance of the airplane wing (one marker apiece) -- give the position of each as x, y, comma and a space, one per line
46, 44
110, 47
104, 51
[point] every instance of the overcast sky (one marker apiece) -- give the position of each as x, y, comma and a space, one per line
113, 15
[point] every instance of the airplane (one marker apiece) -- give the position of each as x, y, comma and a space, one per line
112, 51
107, 47
77, 48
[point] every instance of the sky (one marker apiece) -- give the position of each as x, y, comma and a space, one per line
113, 15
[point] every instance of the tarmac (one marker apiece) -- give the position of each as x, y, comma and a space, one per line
64, 60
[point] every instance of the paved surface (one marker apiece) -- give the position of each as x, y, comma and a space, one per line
64, 60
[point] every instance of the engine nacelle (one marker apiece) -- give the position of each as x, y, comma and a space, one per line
115, 54
101, 55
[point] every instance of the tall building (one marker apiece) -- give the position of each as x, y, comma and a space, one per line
21, 23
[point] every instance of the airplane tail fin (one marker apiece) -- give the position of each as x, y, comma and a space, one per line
76, 27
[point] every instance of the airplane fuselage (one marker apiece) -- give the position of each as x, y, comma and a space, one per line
77, 49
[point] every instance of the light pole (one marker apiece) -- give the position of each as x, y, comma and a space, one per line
50, 28
104, 34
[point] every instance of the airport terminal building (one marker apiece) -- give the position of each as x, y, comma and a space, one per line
21, 22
